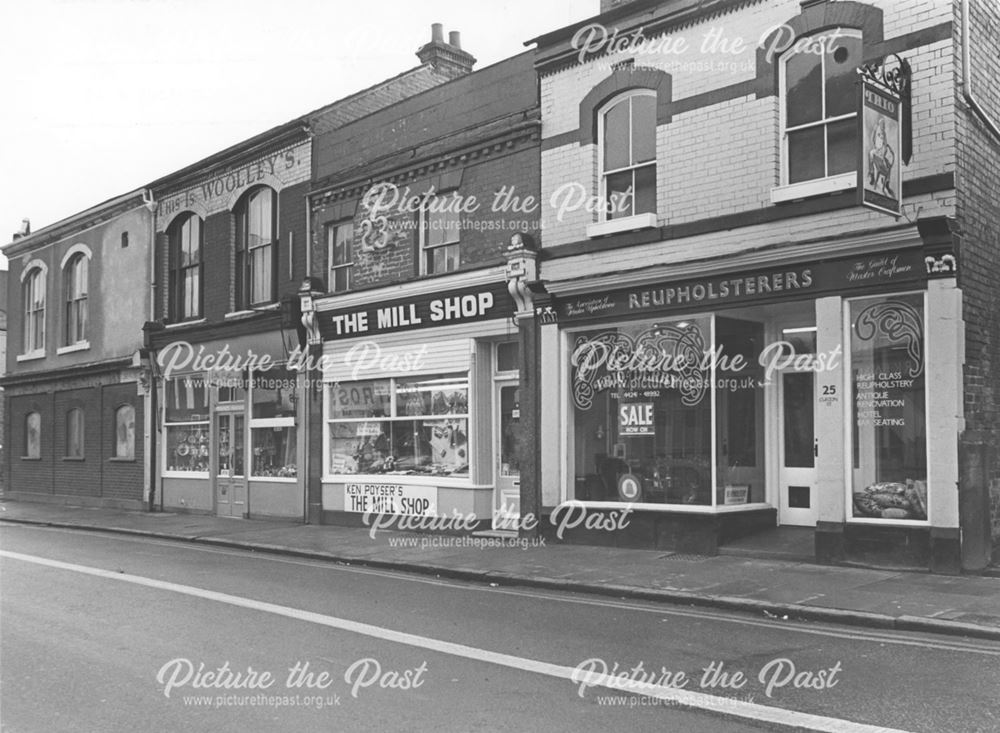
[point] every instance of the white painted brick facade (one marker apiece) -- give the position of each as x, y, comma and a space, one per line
725, 158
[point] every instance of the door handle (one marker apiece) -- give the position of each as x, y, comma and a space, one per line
815, 447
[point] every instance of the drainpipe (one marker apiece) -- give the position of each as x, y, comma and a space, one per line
151, 421
970, 99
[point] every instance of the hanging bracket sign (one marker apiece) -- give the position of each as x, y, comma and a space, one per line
883, 117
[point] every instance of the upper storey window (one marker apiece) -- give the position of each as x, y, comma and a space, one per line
257, 248
819, 109
33, 289
628, 155
76, 273
185, 268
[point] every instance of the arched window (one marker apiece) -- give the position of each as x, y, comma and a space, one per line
185, 282
627, 134
125, 432
33, 289
256, 248
33, 435
819, 106
74, 433
75, 287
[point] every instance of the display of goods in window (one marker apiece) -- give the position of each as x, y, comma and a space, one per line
892, 500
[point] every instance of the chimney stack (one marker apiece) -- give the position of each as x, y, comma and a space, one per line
447, 58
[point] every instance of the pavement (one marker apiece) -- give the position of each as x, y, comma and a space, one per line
780, 589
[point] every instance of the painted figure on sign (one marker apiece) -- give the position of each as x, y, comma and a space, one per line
880, 160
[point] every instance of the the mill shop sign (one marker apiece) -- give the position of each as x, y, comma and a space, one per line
466, 305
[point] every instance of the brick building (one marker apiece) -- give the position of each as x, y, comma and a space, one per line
75, 392
701, 188
231, 254
412, 211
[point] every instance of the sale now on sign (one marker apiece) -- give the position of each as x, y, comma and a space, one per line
635, 418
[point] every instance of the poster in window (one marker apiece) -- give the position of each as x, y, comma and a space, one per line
880, 178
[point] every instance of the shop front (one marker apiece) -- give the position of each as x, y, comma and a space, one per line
421, 408
228, 428
795, 394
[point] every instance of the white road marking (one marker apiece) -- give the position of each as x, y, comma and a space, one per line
679, 697
898, 638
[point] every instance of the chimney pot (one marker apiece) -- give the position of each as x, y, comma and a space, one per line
437, 33
455, 39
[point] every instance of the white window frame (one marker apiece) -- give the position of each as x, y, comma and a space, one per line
75, 302
425, 222
416, 479
786, 191
164, 425
847, 389
604, 225
331, 239
260, 423
30, 336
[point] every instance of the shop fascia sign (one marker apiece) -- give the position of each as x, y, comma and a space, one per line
214, 192
425, 311
885, 134
830, 277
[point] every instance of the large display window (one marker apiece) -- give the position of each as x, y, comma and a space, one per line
273, 445
186, 425
669, 412
403, 426
889, 445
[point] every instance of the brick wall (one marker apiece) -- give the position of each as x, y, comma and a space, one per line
720, 154
485, 232
978, 212
96, 476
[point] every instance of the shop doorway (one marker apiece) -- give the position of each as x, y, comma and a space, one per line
507, 450
229, 473
797, 449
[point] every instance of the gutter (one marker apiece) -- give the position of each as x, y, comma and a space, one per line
967, 94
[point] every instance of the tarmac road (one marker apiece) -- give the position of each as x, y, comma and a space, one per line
96, 630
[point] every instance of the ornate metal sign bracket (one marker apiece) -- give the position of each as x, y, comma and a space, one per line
893, 73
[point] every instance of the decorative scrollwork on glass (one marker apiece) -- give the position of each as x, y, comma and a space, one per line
899, 323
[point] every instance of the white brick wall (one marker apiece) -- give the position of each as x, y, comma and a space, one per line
725, 159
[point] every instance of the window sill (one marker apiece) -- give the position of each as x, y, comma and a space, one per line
413, 480
116, 459
185, 474
275, 479
818, 187
78, 346
77, 459
31, 356
626, 224
238, 314
181, 324
31, 458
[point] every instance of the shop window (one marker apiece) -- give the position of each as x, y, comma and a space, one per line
33, 435
440, 225
413, 425
125, 432
75, 273
33, 288
819, 109
272, 424
186, 425
74, 433
186, 236
628, 155
889, 472
340, 255
256, 248
643, 422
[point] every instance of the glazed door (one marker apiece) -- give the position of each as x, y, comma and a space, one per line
507, 442
230, 474
797, 449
